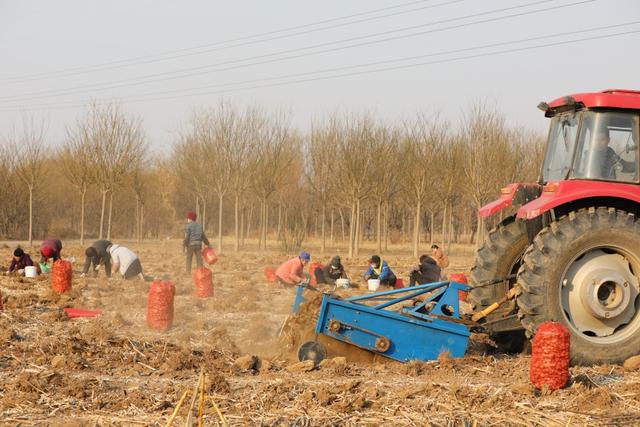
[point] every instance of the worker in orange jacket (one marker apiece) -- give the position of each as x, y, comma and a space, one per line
441, 258
291, 272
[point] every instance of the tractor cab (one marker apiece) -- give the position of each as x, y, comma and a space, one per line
593, 144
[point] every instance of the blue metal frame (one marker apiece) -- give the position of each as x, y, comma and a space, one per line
412, 333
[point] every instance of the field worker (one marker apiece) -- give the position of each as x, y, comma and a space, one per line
331, 272
290, 272
427, 272
50, 249
19, 261
194, 237
441, 258
97, 255
124, 261
379, 269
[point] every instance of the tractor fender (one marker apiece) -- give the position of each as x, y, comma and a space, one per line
512, 194
558, 193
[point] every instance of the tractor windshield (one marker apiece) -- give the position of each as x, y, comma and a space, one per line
607, 147
562, 139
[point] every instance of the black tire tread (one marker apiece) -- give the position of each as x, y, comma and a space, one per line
543, 253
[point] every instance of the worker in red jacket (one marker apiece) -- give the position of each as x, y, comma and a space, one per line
291, 272
50, 248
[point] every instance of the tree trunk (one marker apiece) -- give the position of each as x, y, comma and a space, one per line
248, 230
203, 219
358, 225
331, 232
198, 206
279, 219
236, 245
263, 225
110, 215
83, 194
324, 237
444, 227
266, 223
141, 222
385, 226
31, 215
450, 234
431, 227
352, 229
341, 224
416, 229
220, 197
104, 203
379, 227
136, 233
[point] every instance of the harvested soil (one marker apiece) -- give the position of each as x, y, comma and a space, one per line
114, 370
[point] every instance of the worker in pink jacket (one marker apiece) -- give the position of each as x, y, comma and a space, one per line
290, 273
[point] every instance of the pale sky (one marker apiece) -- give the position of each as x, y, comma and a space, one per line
47, 49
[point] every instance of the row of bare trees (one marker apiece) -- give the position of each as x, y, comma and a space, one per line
248, 173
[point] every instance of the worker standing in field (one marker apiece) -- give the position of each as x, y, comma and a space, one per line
19, 261
291, 272
97, 255
427, 272
194, 237
441, 258
379, 269
125, 262
50, 249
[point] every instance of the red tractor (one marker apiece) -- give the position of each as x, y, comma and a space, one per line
572, 248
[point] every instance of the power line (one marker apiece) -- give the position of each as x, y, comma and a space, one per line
169, 55
132, 81
384, 69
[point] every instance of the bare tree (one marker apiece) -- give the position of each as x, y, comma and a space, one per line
29, 149
76, 162
277, 157
355, 156
424, 136
117, 145
321, 159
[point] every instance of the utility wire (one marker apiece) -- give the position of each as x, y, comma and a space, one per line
377, 70
215, 46
131, 81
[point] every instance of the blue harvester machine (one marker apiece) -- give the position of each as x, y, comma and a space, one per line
417, 329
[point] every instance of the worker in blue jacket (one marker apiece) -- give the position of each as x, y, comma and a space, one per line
379, 269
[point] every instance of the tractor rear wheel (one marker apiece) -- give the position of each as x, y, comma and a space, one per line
582, 271
499, 256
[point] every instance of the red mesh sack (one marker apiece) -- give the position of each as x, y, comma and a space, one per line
460, 278
203, 282
399, 284
312, 271
61, 276
270, 274
160, 305
550, 356
209, 256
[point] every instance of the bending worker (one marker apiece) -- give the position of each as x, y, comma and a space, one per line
290, 272
379, 269
50, 248
97, 255
126, 262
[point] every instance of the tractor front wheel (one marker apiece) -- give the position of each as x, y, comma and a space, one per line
582, 271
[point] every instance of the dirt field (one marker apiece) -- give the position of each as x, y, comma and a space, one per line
112, 370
